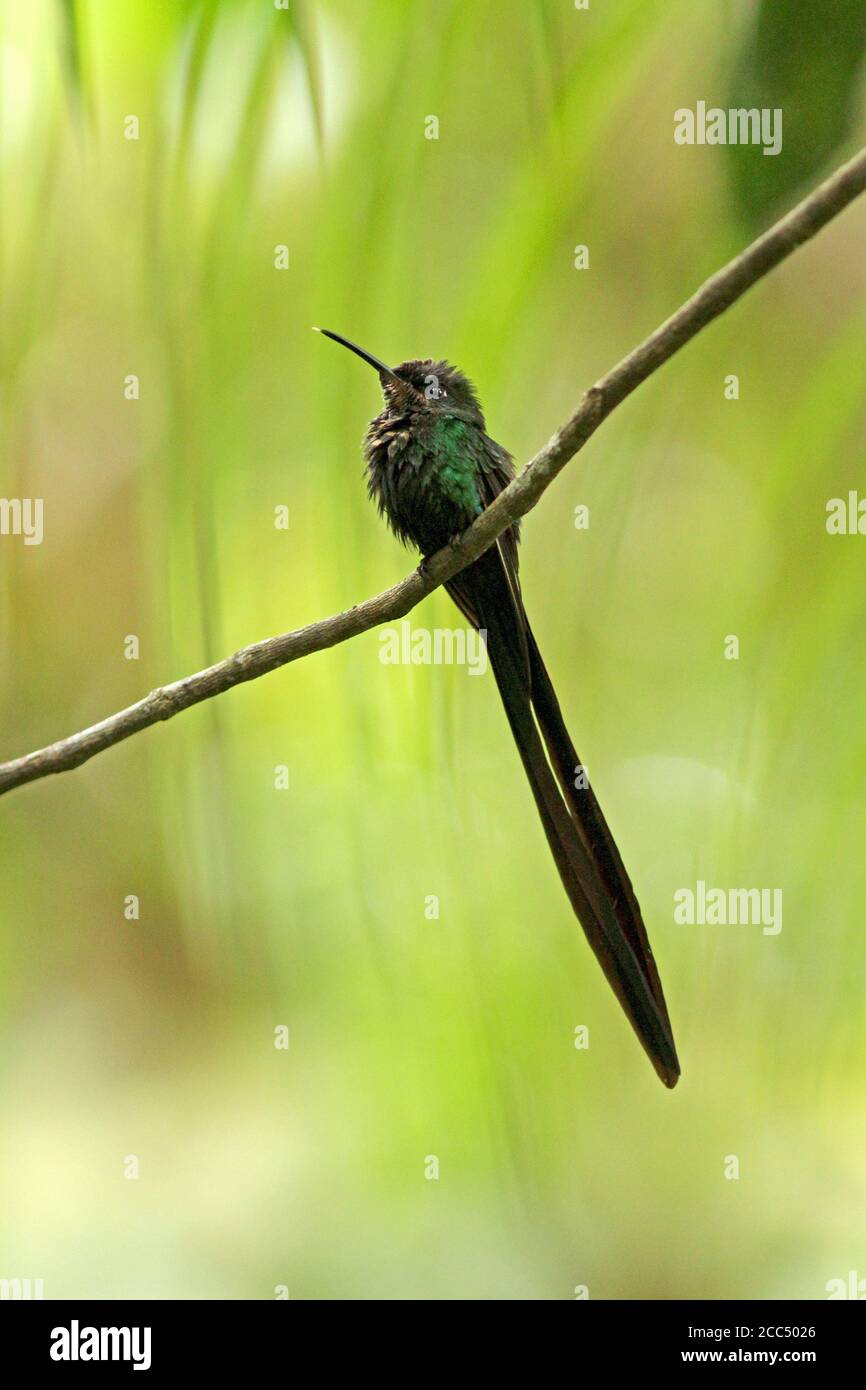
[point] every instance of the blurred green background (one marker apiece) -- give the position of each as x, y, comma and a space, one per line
305, 907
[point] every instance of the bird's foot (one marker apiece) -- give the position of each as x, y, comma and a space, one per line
424, 562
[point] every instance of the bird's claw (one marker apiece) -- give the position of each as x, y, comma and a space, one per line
424, 562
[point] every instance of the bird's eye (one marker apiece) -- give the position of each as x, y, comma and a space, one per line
433, 391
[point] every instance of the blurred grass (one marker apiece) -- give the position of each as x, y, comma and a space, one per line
306, 907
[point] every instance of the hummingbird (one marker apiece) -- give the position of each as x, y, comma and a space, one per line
431, 470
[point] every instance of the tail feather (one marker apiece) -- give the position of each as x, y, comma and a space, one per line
590, 821
583, 849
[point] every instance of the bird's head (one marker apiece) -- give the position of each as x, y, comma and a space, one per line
421, 384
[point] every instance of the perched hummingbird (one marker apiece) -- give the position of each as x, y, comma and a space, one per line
432, 469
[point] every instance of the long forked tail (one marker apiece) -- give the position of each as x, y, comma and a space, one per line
583, 848
590, 822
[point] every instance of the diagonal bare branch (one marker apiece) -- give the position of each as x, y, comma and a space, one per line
714, 296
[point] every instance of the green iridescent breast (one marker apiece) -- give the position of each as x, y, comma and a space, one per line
454, 446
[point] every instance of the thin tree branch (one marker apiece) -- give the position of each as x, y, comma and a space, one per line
714, 296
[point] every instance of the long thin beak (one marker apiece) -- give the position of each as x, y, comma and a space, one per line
368, 357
